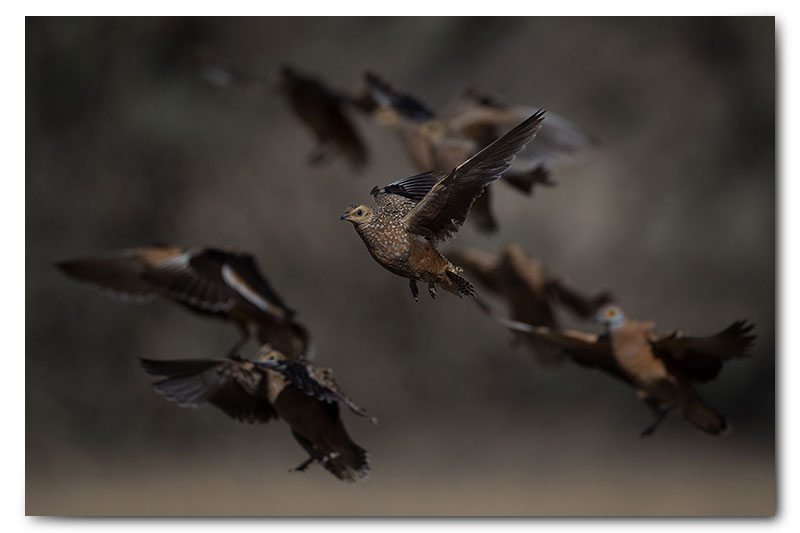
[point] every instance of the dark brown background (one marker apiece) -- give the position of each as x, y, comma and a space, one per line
675, 213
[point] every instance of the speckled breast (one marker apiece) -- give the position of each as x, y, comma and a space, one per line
387, 241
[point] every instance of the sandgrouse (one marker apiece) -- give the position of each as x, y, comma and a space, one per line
208, 281
660, 367
271, 386
320, 108
412, 215
531, 291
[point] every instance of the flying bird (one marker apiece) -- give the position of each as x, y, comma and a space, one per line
413, 214
208, 281
483, 116
321, 109
531, 291
662, 368
472, 120
271, 386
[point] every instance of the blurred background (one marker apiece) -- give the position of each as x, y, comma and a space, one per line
674, 212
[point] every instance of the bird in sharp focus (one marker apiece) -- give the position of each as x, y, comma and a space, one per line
208, 281
414, 214
530, 290
662, 368
271, 386
321, 109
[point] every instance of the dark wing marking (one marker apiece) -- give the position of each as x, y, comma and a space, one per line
255, 287
235, 387
701, 358
212, 280
386, 96
444, 208
413, 187
194, 278
314, 381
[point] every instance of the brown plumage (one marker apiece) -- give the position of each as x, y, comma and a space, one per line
661, 368
530, 290
208, 281
470, 122
302, 395
483, 116
320, 108
416, 213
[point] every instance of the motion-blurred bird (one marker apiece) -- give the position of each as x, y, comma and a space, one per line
529, 289
483, 116
320, 108
302, 395
416, 213
468, 123
662, 368
208, 281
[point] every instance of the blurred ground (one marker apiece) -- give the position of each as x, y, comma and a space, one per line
675, 213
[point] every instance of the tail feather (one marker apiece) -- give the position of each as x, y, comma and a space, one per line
350, 464
464, 287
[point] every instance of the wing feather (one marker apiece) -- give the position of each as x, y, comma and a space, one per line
235, 387
701, 358
442, 211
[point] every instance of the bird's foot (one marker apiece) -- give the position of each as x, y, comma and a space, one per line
302, 467
414, 289
432, 289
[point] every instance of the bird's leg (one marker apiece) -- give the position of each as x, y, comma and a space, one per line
414, 289
303, 466
661, 414
320, 154
233, 353
432, 289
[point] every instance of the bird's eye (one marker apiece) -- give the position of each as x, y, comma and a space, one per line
359, 212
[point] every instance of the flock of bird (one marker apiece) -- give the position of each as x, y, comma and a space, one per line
477, 139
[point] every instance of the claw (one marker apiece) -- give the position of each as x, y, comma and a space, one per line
414, 289
432, 289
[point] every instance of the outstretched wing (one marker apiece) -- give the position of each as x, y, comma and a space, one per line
314, 381
701, 358
212, 280
122, 272
442, 211
236, 387
483, 115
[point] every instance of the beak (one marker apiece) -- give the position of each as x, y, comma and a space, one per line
342, 217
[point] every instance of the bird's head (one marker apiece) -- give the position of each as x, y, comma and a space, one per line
268, 353
611, 315
357, 214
